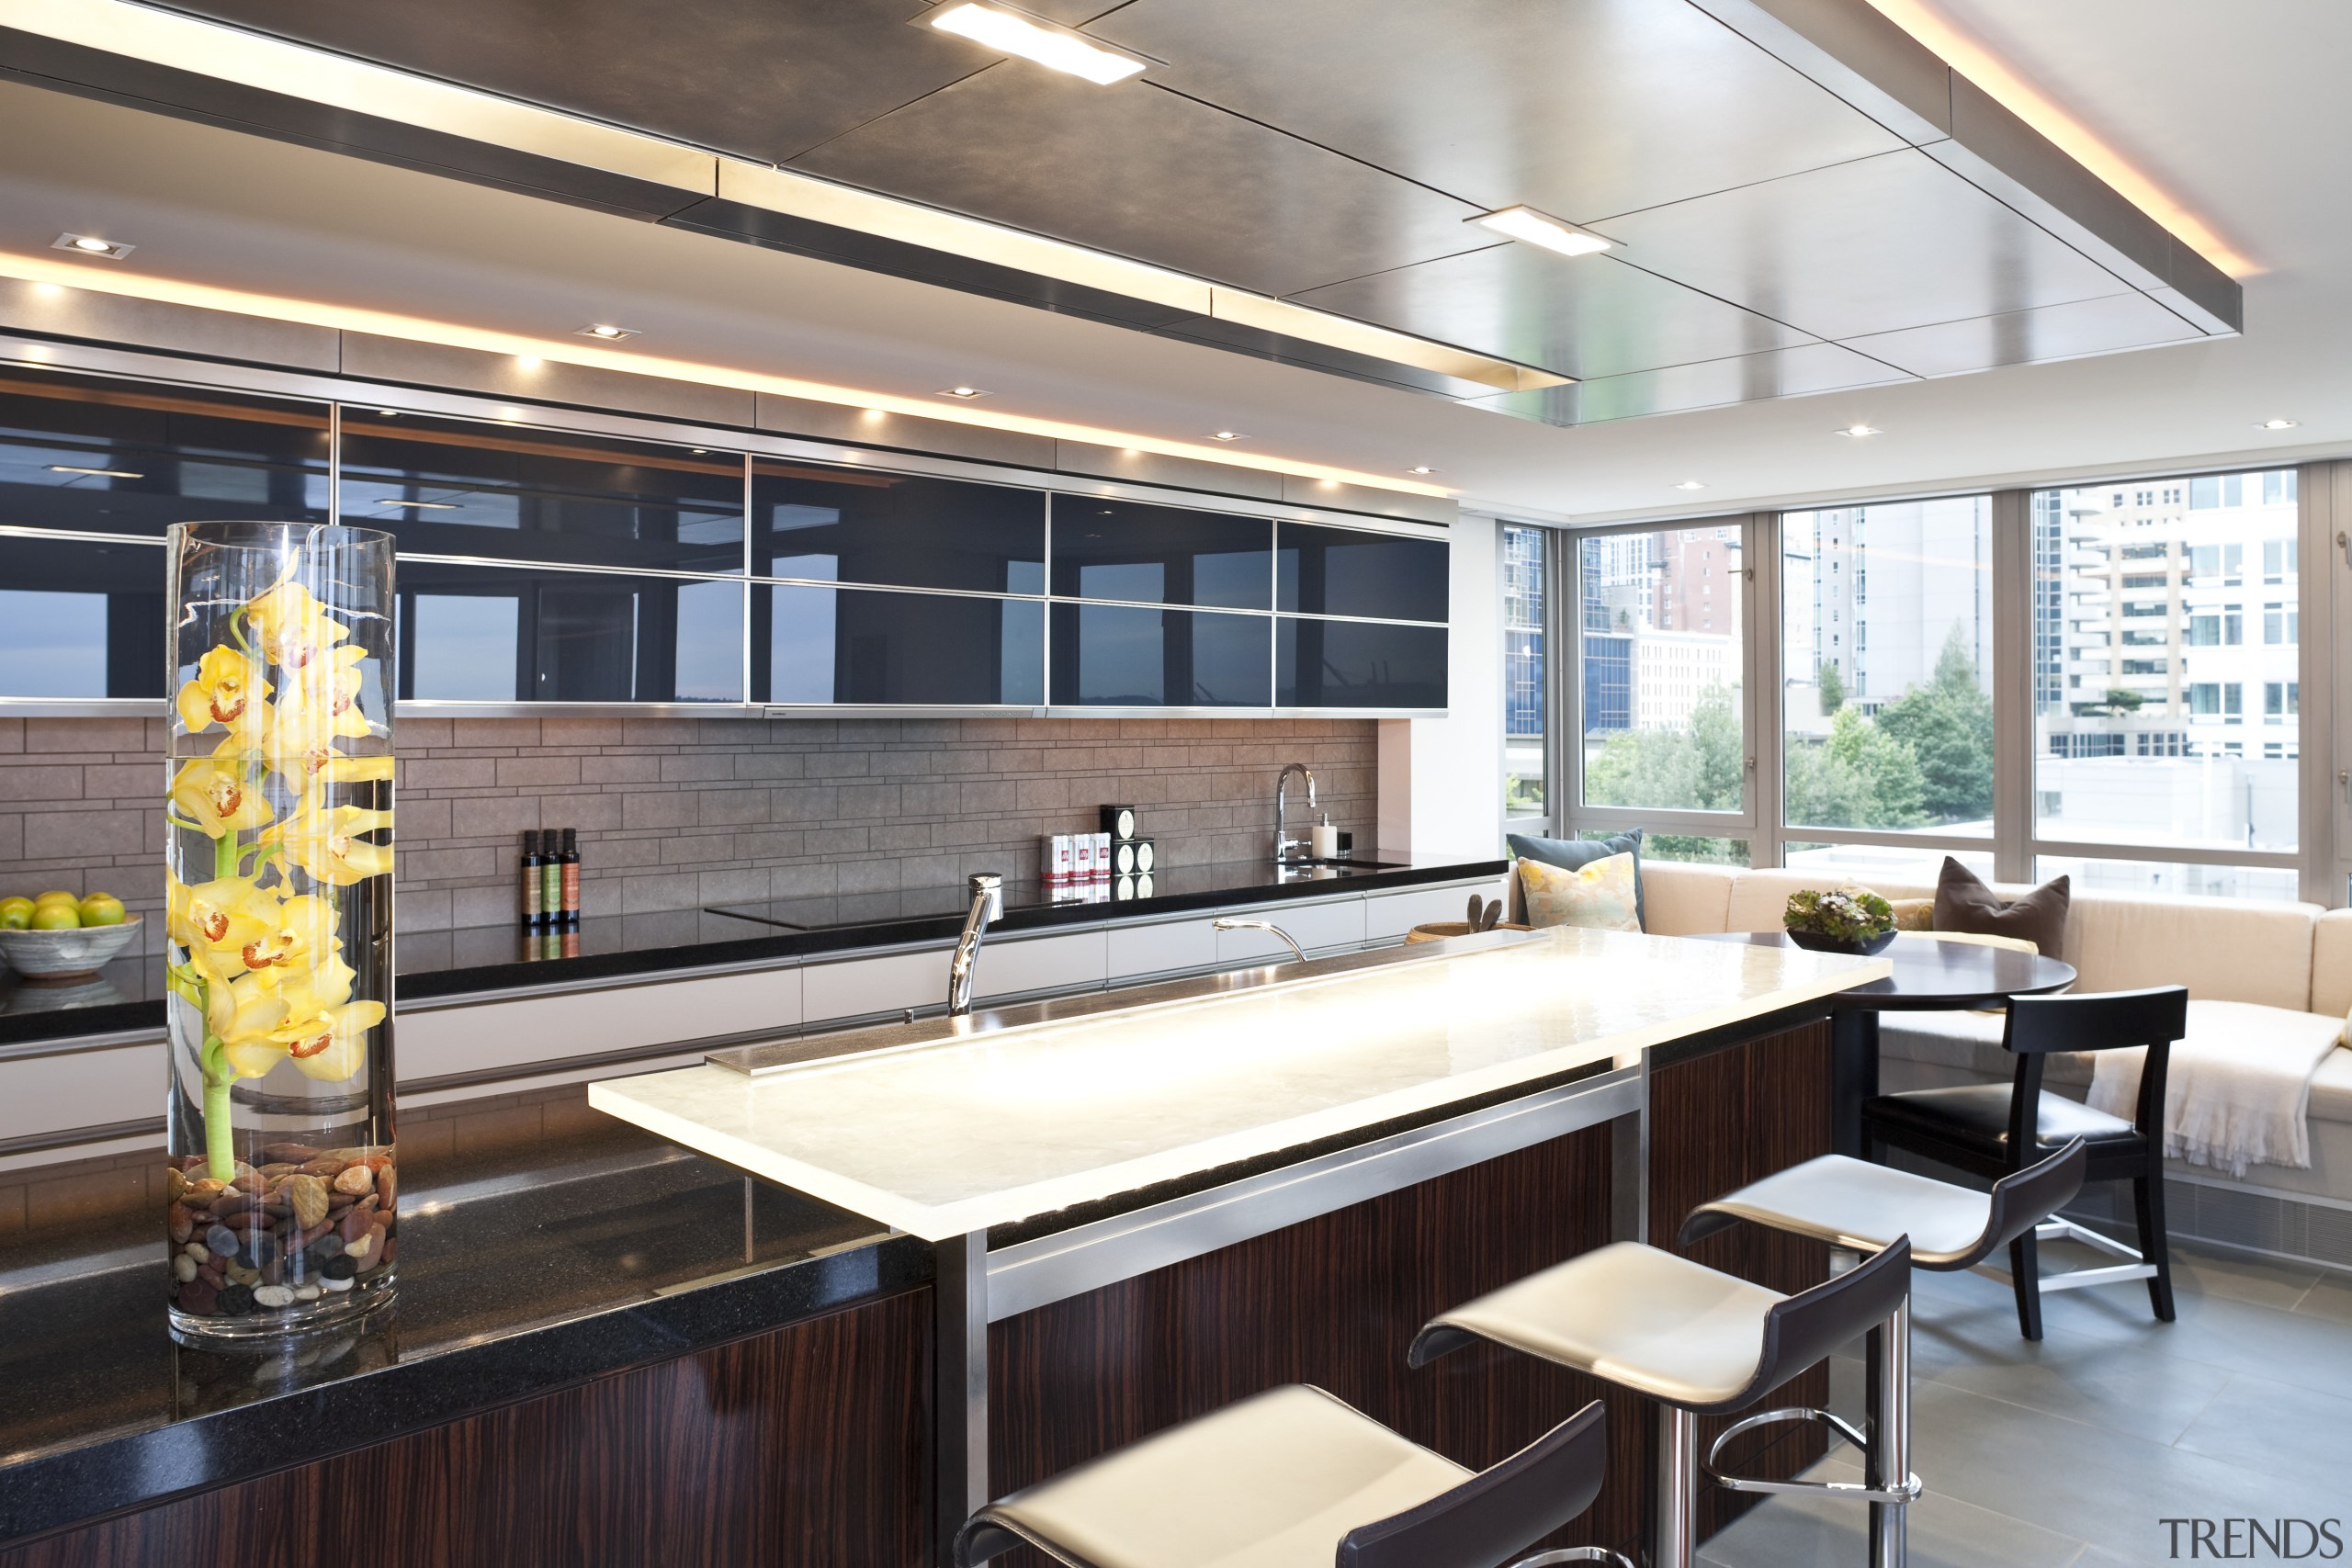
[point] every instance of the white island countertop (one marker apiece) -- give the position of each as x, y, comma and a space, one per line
979, 1130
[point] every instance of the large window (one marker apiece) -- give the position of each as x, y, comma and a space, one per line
1886, 708
1660, 613
2104, 681
1526, 557
2174, 722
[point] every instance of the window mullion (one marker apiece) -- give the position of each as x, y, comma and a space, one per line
2013, 670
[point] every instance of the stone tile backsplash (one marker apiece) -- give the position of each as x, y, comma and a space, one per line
678, 813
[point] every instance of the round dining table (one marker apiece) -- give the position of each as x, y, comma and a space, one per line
1930, 976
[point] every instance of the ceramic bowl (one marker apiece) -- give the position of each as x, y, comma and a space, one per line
1814, 941
53, 954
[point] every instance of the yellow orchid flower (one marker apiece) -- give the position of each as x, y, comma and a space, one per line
290, 627
213, 794
215, 919
328, 1041
228, 689
326, 843
302, 936
243, 1014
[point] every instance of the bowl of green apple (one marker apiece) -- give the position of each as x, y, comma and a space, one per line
59, 936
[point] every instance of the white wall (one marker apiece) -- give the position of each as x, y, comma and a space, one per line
1441, 779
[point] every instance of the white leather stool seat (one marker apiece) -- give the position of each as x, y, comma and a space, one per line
1852, 1203
1646, 1320
1272, 1481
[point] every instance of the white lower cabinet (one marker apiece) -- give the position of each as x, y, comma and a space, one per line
1333, 927
1388, 916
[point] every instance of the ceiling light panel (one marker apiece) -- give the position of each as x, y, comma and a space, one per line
1009, 31
1538, 229
606, 331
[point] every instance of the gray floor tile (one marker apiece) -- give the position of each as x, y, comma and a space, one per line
2261, 1280
2101, 1383
2276, 1427
1805, 1532
2331, 1298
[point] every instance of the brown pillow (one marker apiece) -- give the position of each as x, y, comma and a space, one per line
1965, 904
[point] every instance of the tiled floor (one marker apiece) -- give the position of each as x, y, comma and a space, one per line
2069, 1453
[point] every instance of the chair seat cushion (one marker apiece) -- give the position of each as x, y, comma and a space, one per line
1635, 1316
1852, 1203
1979, 1114
1272, 1481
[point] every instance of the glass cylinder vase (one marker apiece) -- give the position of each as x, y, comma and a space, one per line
282, 1183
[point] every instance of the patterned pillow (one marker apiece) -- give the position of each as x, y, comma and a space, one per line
1599, 894
1914, 914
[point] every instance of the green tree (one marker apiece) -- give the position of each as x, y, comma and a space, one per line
1948, 726
1860, 777
1833, 687
1701, 768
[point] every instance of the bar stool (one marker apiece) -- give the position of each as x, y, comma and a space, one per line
1696, 1342
1857, 1206
1295, 1478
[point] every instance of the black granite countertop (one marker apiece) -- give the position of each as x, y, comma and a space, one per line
127, 997
520, 1273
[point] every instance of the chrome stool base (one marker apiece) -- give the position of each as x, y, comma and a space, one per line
1859, 1492
1573, 1554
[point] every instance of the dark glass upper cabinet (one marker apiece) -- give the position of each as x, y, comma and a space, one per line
487, 633
461, 488
895, 530
859, 646
1358, 664
107, 457
1126, 656
1161, 555
81, 618
1339, 572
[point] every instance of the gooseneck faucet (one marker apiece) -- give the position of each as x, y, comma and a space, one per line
1228, 923
988, 906
1285, 847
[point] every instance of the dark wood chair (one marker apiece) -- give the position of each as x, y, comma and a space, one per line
1992, 1132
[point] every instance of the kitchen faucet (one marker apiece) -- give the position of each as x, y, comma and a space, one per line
1286, 848
988, 906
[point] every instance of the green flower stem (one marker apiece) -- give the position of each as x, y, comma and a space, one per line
220, 1150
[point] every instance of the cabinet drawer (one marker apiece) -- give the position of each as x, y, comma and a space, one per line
1165, 947
1333, 927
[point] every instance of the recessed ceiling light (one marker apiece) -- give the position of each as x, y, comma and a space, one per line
1226, 436
1691, 484
606, 330
95, 473
91, 245
1420, 469
1009, 31
1858, 430
967, 392
1536, 228
420, 505
2277, 425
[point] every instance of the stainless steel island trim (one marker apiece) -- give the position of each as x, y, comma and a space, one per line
1068, 1263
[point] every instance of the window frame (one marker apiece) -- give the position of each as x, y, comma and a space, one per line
2320, 597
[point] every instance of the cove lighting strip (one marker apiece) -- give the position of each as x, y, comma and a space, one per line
62, 273
140, 32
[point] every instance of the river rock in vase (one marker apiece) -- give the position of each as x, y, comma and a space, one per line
282, 1186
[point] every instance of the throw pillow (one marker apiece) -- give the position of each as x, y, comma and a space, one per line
1599, 894
1914, 914
1965, 904
1569, 855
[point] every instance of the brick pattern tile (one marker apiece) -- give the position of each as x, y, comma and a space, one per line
675, 813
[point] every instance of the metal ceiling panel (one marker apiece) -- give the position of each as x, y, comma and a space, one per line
1580, 110
1581, 316
761, 80
1260, 344
1783, 373
1146, 173
1875, 245
2054, 331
